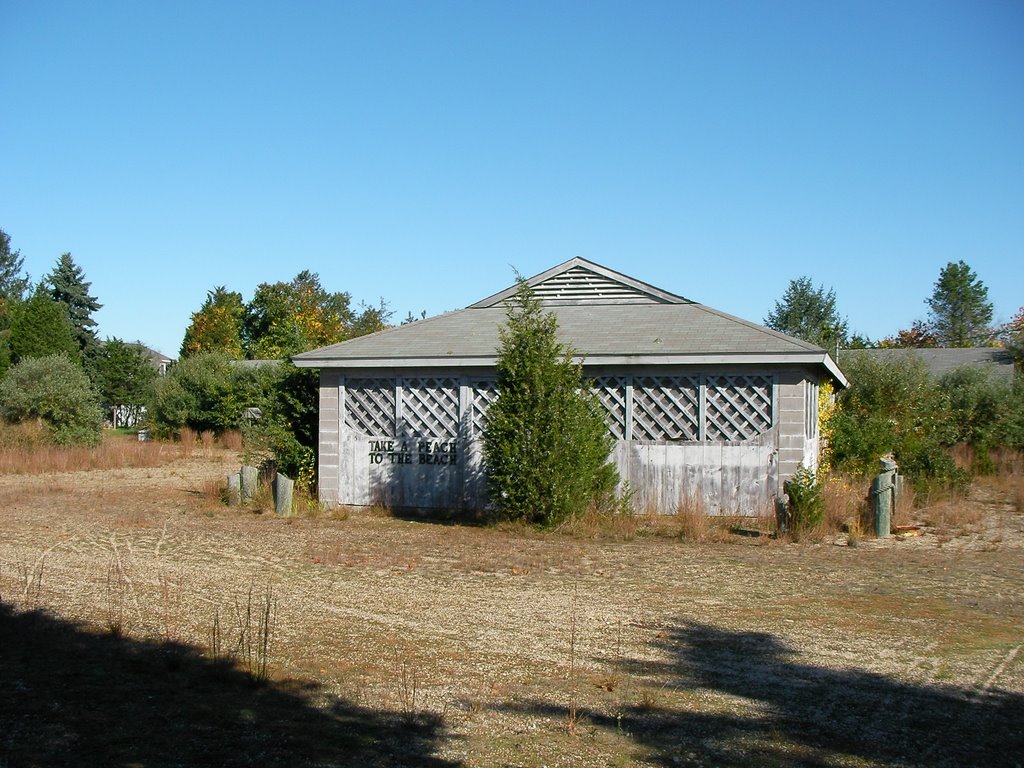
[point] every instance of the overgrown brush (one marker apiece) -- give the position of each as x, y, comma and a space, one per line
806, 502
845, 506
39, 457
691, 519
599, 522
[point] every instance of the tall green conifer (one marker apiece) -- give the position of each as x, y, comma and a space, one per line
546, 444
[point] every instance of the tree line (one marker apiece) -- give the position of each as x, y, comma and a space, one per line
56, 373
281, 320
959, 315
60, 379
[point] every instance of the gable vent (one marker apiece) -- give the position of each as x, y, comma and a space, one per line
581, 286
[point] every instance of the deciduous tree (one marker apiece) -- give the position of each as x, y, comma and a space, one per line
286, 318
206, 391
217, 326
1012, 336
918, 336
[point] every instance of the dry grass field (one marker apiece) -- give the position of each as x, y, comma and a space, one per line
143, 623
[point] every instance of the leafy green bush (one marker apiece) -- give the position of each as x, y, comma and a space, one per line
546, 445
977, 403
206, 391
55, 392
209, 391
1010, 431
893, 406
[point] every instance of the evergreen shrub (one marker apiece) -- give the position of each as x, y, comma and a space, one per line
546, 444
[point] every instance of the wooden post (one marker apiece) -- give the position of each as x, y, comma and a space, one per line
250, 476
283, 488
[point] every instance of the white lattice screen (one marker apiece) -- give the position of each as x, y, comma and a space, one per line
738, 407
370, 406
484, 393
430, 406
662, 408
666, 408
611, 391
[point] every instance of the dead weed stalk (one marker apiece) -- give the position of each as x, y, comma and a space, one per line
31, 578
255, 621
170, 606
407, 680
256, 632
118, 615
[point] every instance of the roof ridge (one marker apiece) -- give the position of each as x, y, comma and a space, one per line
558, 285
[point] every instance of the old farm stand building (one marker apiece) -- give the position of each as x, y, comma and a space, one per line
702, 405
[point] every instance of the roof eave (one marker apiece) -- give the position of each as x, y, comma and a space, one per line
484, 361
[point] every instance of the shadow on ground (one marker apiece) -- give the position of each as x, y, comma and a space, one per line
779, 711
74, 697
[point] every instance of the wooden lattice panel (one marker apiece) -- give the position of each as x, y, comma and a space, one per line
611, 391
738, 407
370, 406
430, 406
666, 408
484, 393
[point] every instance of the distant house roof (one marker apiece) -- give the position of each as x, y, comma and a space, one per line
257, 363
607, 317
152, 354
942, 360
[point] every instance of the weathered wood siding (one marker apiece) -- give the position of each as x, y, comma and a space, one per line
414, 440
734, 478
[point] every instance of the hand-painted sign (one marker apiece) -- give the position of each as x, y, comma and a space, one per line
435, 452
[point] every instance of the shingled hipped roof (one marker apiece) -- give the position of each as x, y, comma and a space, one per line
607, 317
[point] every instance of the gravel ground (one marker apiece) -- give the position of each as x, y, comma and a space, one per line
125, 594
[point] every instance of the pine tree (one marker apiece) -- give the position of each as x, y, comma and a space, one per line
124, 377
810, 314
40, 327
68, 286
13, 283
546, 444
959, 309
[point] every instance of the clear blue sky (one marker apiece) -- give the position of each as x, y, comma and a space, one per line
417, 151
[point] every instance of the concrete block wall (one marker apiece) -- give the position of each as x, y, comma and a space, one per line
791, 391
329, 465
